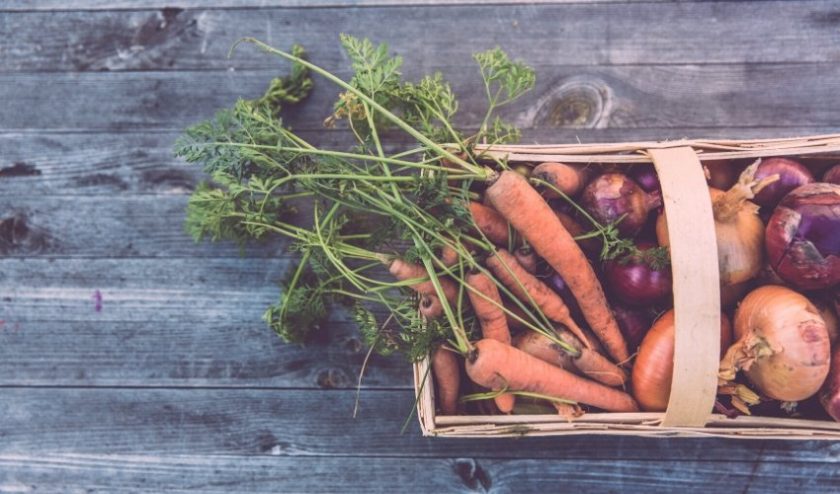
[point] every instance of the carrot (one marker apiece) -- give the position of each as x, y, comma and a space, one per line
490, 223
527, 258
527, 211
448, 256
589, 363
403, 270
447, 374
568, 411
512, 322
492, 319
523, 284
570, 179
496, 365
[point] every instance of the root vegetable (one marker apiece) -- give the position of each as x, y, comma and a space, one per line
447, 375
654, 367
570, 179
527, 211
791, 174
614, 196
490, 223
589, 363
782, 344
637, 281
495, 365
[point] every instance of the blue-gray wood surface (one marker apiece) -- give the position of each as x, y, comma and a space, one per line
132, 359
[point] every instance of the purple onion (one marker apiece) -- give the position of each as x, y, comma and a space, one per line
830, 393
832, 175
803, 237
614, 196
558, 284
632, 281
791, 173
646, 177
633, 323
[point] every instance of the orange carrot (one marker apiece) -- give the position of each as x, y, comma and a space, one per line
492, 319
490, 223
448, 256
570, 179
447, 374
523, 284
403, 270
527, 211
496, 365
589, 363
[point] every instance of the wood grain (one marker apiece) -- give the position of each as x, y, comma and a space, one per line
222, 474
580, 33
124, 164
627, 96
210, 352
280, 422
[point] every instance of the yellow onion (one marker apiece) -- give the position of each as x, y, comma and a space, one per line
738, 228
782, 344
654, 364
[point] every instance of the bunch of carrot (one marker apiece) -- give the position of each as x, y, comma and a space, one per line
500, 272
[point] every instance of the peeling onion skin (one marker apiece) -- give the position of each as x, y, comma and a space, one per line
830, 393
792, 174
612, 195
803, 237
782, 344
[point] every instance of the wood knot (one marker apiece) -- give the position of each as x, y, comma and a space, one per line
576, 103
333, 378
16, 235
472, 474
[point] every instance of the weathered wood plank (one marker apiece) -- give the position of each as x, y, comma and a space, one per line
141, 163
111, 227
139, 290
628, 96
205, 352
75, 5
574, 33
222, 474
296, 423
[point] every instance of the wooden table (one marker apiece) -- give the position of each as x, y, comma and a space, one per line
132, 359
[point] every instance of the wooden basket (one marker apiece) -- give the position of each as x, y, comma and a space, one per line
696, 300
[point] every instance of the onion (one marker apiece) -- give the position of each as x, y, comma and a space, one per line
637, 281
738, 229
654, 365
722, 173
803, 237
645, 176
612, 196
558, 284
791, 173
830, 393
634, 324
832, 325
591, 246
782, 344
832, 175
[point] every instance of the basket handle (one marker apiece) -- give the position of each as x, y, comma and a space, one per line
696, 281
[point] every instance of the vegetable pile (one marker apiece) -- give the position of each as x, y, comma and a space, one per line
532, 286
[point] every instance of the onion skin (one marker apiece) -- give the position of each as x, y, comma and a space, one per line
722, 173
654, 365
635, 283
803, 237
791, 173
613, 195
634, 324
830, 392
782, 344
645, 176
832, 175
832, 325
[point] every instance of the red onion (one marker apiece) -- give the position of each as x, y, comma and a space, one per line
832, 175
791, 173
558, 284
637, 281
612, 196
722, 173
803, 237
645, 176
634, 324
830, 393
